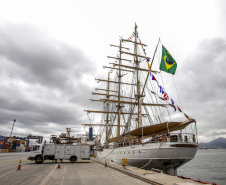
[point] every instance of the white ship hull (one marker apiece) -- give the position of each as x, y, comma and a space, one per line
167, 156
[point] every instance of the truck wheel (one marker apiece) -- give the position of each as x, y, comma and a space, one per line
39, 160
73, 159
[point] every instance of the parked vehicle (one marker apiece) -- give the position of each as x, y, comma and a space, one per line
42, 152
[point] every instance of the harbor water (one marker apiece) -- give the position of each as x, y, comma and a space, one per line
209, 165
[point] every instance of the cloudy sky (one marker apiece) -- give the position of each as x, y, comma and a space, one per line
51, 51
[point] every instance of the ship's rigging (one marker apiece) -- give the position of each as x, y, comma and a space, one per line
132, 106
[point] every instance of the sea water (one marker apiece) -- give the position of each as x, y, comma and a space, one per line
209, 165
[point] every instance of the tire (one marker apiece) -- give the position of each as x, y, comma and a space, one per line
73, 159
39, 159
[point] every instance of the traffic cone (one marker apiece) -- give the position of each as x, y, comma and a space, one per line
19, 166
58, 166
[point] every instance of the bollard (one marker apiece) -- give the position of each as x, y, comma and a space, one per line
106, 165
124, 162
19, 166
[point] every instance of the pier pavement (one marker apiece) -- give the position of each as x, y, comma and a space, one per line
91, 172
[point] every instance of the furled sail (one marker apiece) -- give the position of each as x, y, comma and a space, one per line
152, 130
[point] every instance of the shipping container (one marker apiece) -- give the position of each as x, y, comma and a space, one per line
22, 141
6, 139
6, 147
17, 141
12, 138
11, 147
18, 149
9, 140
4, 150
2, 138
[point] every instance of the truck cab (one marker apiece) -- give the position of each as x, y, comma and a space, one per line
36, 153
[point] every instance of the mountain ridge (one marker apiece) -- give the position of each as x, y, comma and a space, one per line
216, 143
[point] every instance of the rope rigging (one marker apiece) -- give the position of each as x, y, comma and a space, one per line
155, 114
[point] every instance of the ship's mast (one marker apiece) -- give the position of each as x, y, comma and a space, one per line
138, 96
107, 117
119, 86
139, 100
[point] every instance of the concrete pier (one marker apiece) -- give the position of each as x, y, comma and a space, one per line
150, 177
93, 172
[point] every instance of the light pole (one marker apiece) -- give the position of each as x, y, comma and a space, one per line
12, 127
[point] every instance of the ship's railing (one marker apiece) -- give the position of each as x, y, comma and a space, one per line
177, 137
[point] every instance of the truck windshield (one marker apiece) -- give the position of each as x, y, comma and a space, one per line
35, 147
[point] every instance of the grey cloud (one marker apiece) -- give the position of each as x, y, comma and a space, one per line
218, 133
201, 80
40, 81
205, 68
41, 59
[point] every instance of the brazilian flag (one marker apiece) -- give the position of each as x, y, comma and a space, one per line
168, 64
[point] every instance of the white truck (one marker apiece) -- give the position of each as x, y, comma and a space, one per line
41, 152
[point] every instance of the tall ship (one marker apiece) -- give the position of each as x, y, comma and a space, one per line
138, 119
